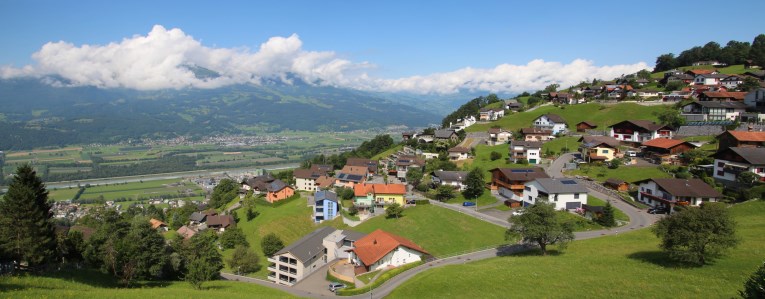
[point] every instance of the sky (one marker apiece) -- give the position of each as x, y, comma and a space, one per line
394, 46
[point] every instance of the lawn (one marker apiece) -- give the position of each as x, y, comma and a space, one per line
484, 162
556, 145
136, 190
626, 265
92, 284
290, 222
367, 277
485, 199
438, 230
626, 173
618, 214
601, 115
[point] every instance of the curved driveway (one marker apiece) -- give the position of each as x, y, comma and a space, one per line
638, 219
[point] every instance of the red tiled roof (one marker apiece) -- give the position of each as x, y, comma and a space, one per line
357, 170
377, 244
663, 143
364, 189
736, 95
700, 72
748, 136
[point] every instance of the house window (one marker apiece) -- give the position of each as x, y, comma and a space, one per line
527, 188
530, 198
576, 196
604, 151
720, 164
720, 173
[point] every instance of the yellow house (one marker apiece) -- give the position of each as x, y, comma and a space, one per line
599, 148
378, 195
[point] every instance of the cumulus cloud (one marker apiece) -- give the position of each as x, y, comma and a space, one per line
164, 59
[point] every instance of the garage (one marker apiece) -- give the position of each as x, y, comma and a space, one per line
573, 205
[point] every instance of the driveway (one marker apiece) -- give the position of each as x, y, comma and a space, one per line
316, 283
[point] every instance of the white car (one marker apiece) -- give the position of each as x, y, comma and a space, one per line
517, 212
631, 154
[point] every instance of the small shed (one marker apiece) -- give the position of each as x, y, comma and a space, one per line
592, 212
617, 184
584, 126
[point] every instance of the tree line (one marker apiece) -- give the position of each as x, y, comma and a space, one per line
734, 52
472, 107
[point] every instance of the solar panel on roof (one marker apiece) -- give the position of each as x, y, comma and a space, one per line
521, 170
568, 182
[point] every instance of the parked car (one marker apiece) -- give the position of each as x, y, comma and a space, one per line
334, 286
657, 210
518, 212
631, 154
468, 204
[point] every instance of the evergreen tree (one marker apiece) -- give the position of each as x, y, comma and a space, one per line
607, 219
26, 229
757, 51
474, 184
754, 287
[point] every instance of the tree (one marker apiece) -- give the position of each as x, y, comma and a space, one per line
474, 184
735, 52
414, 176
670, 117
665, 62
644, 74
271, 244
251, 214
444, 193
243, 260
757, 51
607, 219
711, 51
204, 262
26, 229
394, 210
754, 287
494, 156
697, 235
747, 178
223, 193
749, 84
615, 162
694, 156
233, 237
542, 225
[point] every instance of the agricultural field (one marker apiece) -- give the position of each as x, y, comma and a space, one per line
601, 115
617, 266
93, 284
129, 193
625, 173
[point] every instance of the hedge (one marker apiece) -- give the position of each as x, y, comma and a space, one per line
422, 202
379, 281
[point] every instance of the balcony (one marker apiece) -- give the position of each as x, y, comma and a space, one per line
657, 198
508, 185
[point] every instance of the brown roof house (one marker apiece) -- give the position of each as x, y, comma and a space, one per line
509, 181
666, 147
458, 153
638, 131
670, 192
732, 161
584, 126
598, 148
740, 139
537, 134
220, 222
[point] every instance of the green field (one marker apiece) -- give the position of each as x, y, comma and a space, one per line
625, 173
618, 214
556, 145
92, 284
438, 230
733, 69
483, 161
135, 190
627, 265
574, 114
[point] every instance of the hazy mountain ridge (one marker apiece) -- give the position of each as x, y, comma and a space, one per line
36, 113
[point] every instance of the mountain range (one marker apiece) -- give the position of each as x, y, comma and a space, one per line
37, 113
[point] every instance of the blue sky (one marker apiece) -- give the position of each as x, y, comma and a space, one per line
400, 39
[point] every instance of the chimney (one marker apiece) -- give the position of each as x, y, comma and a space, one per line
374, 242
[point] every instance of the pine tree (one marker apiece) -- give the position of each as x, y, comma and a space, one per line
26, 230
474, 184
607, 219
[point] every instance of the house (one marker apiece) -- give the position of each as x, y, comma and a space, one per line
684, 78
380, 250
617, 184
722, 96
525, 150
638, 131
408, 135
367, 197
565, 194
325, 205
598, 148
446, 135
584, 126
666, 146
732, 81
756, 99
759, 74
676, 96
349, 176
708, 62
158, 224
513, 105
305, 179
325, 182
697, 72
712, 110
648, 93
278, 190
667, 193
449, 178
370, 164
186, 232
708, 79
562, 98
499, 136
486, 114
509, 181
740, 139
405, 163
732, 161
458, 153
197, 218
301, 258
642, 82
552, 122
536, 134
338, 243
220, 222
461, 124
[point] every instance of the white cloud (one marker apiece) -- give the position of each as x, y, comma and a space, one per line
159, 60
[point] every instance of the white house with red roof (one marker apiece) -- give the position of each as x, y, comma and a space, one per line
381, 249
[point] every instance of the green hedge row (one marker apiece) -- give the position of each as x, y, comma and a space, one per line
422, 202
379, 281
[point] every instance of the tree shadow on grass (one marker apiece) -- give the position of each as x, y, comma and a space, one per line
660, 259
524, 250
95, 278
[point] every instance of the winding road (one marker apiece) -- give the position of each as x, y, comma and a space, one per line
638, 219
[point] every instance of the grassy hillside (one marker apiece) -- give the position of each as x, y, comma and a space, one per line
733, 69
620, 266
601, 115
91, 284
